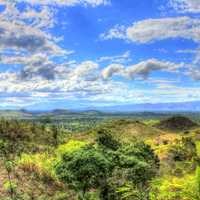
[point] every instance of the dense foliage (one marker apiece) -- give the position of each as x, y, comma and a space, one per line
121, 160
96, 167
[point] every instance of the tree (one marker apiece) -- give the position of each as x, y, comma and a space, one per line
105, 139
84, 169
135, 166
106, 170
55, 134
138, 162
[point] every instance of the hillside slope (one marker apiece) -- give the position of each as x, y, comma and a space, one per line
129, 129
176, 123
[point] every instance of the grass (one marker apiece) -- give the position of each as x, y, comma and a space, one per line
128, 130
39, 164
172, 188
198, 148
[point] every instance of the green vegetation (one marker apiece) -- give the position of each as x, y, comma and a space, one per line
115, 159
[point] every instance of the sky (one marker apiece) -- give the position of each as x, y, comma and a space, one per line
90, 53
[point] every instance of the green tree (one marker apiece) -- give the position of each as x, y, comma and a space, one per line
105, 139
136, 165
84, 169
107, 169
138, 162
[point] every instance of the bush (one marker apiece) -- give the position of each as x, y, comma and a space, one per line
172, 188
184, 149
10, 187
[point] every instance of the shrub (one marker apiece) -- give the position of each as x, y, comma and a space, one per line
10, 186
130, 192
184, 149
172, 188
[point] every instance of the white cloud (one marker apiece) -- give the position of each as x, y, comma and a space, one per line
42, 18
87, 70
194, 73
187, 51
116, 32
33, 78
142, 69
26, 31
113, 69
75, 86
25, 38
25, 41
66, 2
123, 58
151, 30
186, 6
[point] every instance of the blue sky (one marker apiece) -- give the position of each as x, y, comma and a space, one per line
87, 53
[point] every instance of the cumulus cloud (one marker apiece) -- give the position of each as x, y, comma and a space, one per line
142, 69
40, 18
75, 87
159, 29
26, 42
19, 37
113, 69
86, 70
26, 31
151, 30
79, 82
189, 6
47, 72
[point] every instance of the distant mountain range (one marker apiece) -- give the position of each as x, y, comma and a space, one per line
193, 106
